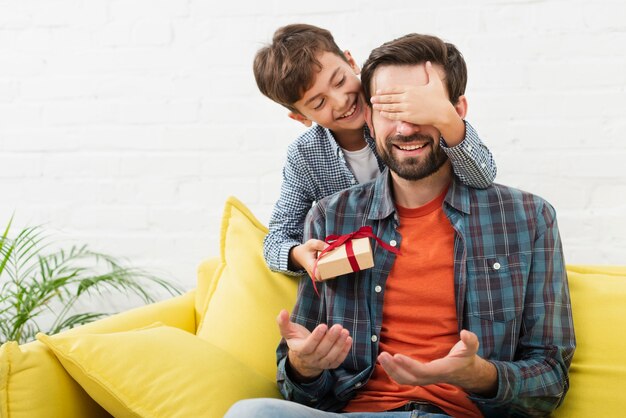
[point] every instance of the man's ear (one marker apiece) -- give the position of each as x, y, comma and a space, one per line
461, 106
299, 117
352, 62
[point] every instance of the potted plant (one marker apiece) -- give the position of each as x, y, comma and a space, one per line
41, 287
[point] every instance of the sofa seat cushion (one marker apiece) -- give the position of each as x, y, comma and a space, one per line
159, 371
242, 306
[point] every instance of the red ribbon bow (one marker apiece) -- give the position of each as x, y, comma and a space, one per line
335, 241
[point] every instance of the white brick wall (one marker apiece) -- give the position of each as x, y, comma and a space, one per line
126, 123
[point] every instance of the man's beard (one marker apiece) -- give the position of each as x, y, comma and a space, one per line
413, 168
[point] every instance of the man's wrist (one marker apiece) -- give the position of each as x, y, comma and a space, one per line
299, 375
481, 379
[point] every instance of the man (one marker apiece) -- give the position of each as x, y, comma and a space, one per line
471, 319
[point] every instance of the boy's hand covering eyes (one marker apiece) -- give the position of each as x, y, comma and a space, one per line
419, 105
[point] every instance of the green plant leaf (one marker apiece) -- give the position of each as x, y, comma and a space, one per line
39, 283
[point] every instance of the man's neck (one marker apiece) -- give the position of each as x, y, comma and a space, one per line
415, 193
350, 140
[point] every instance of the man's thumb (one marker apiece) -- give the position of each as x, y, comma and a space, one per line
284, 323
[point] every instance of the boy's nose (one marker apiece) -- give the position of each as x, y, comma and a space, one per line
406, 128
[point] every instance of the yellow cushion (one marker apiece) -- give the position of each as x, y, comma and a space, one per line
33, 384
598, 371
158, 371
241, 311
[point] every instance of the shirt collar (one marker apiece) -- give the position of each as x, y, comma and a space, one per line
458, 196
382, 198
333, 144
371, 142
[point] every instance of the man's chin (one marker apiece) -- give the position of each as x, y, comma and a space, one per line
413, 170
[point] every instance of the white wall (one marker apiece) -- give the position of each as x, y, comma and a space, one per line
126, 123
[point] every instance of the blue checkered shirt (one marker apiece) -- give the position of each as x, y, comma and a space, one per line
510, 285
316, 168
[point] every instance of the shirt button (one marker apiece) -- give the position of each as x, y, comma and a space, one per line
378, 289
483, 165
393, 243
496, 266
358, 384
353, 181
469, 148
374, 338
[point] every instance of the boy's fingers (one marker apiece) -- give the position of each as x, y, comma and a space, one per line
386, 98
431, 73
316, 244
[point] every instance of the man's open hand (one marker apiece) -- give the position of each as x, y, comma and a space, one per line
310, 353
461, 367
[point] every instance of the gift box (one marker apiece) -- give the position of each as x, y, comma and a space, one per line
343, 259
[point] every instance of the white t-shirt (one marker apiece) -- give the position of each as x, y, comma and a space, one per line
362, 163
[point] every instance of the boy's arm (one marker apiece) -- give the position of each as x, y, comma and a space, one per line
471, 160
287, 221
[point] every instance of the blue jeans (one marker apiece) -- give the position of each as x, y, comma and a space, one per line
278, 408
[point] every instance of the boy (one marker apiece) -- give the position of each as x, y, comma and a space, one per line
305, 71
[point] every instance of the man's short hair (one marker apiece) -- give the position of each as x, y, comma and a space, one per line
413, 49
284, 70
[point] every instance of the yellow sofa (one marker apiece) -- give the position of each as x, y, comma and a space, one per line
196, 354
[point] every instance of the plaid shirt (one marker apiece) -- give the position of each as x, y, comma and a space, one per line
316, 168
510, 283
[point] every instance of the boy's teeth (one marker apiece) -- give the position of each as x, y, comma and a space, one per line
349, 112
410, 147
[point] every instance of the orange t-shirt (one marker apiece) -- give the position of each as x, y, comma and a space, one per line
419, 313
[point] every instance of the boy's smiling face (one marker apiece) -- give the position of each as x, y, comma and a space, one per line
335, 100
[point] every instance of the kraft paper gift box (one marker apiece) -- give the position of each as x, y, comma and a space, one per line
335, 262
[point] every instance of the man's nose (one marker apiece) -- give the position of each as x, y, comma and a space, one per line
406, 128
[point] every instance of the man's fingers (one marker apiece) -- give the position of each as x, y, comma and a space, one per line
342, 354
312, 341
395, 370
331, 349
333, 335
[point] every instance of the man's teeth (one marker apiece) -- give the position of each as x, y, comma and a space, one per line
349, 112
411, 147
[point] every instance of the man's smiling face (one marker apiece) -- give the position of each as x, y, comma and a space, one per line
412, 151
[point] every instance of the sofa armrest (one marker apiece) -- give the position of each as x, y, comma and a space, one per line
33, 383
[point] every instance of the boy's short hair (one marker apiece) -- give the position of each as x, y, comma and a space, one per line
284, 69
413, 49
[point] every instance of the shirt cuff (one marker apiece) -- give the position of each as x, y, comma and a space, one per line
283, 259
507, 389
305, 393
468, 145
